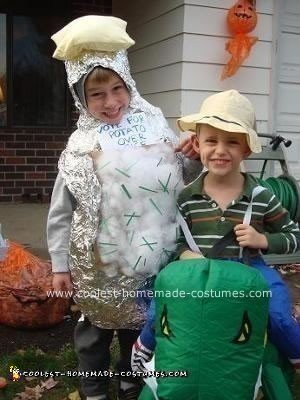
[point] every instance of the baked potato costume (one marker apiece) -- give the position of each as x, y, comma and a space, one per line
124, 180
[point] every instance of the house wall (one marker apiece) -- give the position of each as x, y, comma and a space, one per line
180, 52
204, 55
156, 58
287, 104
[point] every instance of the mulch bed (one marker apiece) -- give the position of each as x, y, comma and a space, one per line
291, 275
50, 339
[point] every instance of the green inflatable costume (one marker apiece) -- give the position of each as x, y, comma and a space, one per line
277, 375
211, 319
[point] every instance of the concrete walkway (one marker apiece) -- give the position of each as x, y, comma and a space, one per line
25, 223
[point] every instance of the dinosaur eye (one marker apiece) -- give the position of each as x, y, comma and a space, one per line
245, 330
164, 323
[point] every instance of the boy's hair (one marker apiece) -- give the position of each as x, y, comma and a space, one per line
100, 74
198, 127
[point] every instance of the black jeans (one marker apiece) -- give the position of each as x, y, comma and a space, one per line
92, 346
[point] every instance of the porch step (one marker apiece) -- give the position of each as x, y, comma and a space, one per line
278, 259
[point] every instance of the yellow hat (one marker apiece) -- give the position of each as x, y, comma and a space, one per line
91, 33
229, 111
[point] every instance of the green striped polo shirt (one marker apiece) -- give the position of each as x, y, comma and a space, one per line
208, 223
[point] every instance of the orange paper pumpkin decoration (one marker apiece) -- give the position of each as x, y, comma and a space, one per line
241, 19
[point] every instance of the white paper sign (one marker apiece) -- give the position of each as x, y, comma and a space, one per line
133, 130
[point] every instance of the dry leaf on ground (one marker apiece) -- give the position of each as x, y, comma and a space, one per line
36, 392
74, 396
48, 384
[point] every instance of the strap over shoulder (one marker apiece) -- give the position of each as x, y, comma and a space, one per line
228, 239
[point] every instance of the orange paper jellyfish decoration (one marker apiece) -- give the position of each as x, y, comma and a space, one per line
241, 19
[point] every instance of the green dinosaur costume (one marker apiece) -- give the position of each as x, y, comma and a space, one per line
214, 329
277, 375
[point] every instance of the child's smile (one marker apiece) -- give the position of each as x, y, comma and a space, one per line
113, 116
220, 162
107, 101
221, 152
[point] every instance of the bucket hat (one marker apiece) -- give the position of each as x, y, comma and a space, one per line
229, 111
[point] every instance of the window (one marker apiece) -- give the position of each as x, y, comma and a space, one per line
33, 84
3, 113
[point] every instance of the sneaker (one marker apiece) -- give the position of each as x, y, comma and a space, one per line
296, 364
131, 393
82, 396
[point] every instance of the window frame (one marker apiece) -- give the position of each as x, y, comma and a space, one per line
10, 124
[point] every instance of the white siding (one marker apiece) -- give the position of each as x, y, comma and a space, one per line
204, 56
210, 49
156, 57
266, 6
287, 117
180, 53
139, 12
162, 79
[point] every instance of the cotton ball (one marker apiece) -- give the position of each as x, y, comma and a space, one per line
128, 271
111, 270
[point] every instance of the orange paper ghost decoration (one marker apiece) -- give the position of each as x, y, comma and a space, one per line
241, 19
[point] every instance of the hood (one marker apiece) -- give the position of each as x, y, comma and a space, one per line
82, 139
117, 62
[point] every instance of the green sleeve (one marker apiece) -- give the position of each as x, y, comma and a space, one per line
282, 233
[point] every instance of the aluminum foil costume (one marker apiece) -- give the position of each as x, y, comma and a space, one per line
123, 227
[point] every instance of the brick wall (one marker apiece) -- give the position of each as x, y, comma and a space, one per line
28, 157
28, 163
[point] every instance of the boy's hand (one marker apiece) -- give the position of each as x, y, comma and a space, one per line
139, 356
186, 148
247, 236
95, 155
61, 282
188, 254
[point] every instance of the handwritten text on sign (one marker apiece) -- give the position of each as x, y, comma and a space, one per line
133, 130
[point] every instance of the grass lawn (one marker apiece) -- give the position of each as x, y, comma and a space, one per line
297, 388
65, 360
35, 360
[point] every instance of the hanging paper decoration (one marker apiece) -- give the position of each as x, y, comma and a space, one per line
241, 19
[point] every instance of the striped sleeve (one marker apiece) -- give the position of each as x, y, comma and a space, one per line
282, 233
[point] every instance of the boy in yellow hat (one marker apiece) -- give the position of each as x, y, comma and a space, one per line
220, 200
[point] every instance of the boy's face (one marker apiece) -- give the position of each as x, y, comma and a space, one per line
221, 152
107, 101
